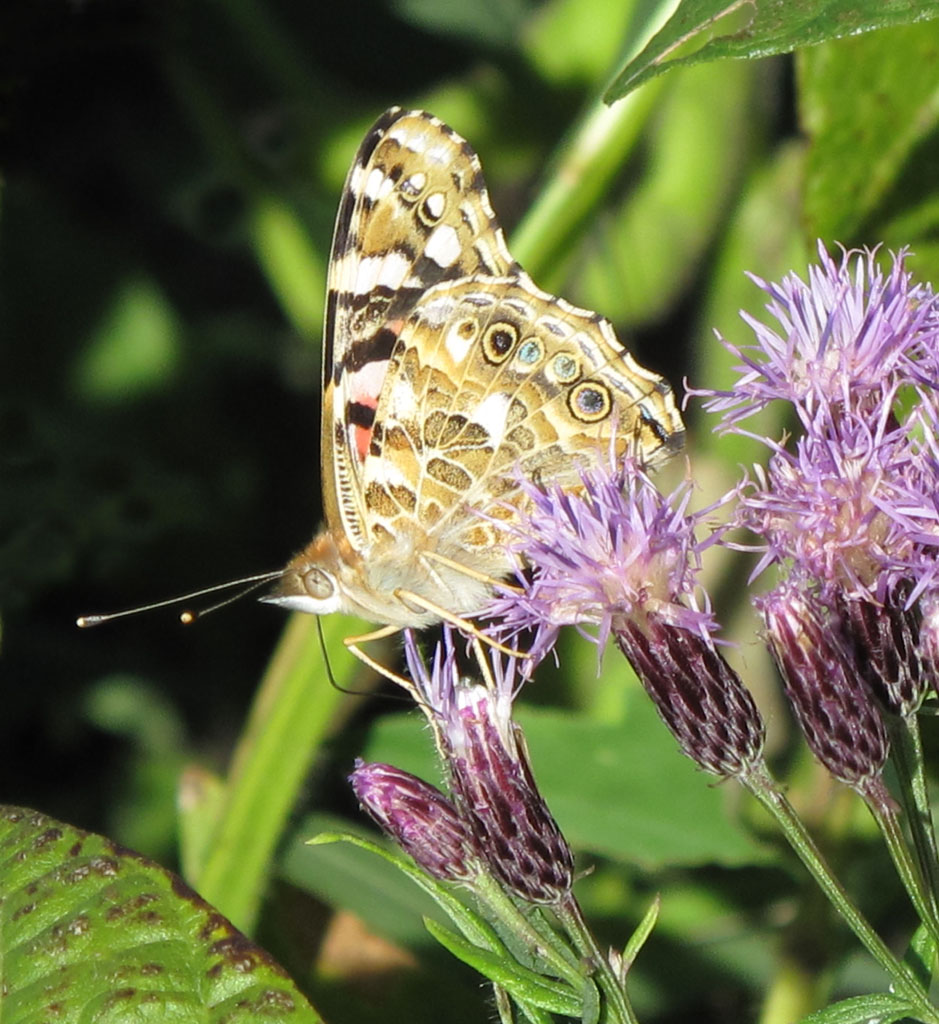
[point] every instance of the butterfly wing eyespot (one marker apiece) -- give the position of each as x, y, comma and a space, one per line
590, 401
498, 341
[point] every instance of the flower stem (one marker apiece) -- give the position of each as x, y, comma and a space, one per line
543, 941
763, 787
907, 751
620, 1009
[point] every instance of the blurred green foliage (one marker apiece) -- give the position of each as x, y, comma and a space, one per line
170, 176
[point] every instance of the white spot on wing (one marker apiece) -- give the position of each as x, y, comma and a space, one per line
436, 203
491, 413
414, 185
389, 270
394, 270
366, 274
443, 246
374, 182
458, 346
365, 385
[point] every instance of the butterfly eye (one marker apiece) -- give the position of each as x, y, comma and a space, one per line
590, 401
318, 584
498, 342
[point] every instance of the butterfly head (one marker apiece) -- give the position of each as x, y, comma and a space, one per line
310, 582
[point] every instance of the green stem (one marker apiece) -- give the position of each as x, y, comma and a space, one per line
584, 165
587, 159
908, 758
548, 945
888, 820
762, 786
294, 710
620, 1009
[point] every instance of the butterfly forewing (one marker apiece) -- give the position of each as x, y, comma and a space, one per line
414, 212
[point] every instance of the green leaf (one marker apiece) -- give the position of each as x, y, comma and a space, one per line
368, 886
881, 1007
94, 932
524, 985
469, 922
642, 932
135, 349
921, 954
867, 157
702, 30
645, 250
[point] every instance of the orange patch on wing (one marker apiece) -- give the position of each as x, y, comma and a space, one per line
363, 435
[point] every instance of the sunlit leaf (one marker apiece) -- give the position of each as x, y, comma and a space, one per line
701, 30
92, 931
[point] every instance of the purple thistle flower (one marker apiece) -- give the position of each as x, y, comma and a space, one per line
490, 776
840, 508
847, 339
838, 715
615, 549
620, 555
419, 818
851, 509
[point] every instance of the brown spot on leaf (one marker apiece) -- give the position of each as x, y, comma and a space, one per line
26, 908
50, 835
236, 952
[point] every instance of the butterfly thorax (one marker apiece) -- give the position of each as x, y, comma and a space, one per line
330, 574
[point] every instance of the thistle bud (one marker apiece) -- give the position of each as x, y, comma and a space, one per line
884, 638
697, 694
834, 707
419, 818
492, 779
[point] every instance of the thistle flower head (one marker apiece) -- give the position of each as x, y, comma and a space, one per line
486, 761
622, 556
615, 549
847, 338
420, 819
850, 509
841, 508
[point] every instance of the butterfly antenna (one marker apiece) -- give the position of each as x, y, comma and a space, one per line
187, 617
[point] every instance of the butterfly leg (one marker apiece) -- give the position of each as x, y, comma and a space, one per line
352, 644
465, 625
473, 574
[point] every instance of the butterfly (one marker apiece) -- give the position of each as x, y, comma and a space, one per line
447, 375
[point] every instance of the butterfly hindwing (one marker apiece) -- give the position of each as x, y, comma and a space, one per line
490, 378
